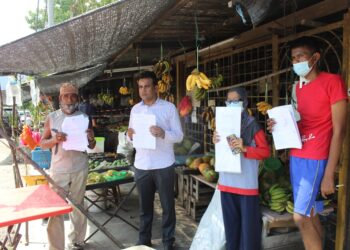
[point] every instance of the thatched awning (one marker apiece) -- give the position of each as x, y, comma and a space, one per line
84, 41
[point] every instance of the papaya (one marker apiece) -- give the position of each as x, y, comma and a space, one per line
210, 175
203, 166
206, 159
195, 163
189, 160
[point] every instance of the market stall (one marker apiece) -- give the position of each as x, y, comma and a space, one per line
191, 38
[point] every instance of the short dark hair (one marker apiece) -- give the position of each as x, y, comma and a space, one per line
306, 41
147, 74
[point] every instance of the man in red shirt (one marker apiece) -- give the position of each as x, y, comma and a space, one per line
320, 99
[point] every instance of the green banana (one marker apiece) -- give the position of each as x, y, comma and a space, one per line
274, 186
290, 210
276, 196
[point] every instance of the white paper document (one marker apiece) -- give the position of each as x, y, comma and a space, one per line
141, 124
228, 122
75, 127
285, 132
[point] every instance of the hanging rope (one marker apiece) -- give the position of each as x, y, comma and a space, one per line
197, 41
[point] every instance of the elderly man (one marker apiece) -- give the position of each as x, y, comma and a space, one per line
69, 169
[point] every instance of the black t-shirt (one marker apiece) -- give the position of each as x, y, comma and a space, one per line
88, 109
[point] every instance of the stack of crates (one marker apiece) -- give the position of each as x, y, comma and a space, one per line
43, 159
200, 196
183, 184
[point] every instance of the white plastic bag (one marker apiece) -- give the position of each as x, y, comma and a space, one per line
124, 146
210, 233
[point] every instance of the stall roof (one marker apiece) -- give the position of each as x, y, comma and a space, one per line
130, 33
84, 41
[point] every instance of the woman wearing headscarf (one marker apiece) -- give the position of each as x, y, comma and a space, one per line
239, 191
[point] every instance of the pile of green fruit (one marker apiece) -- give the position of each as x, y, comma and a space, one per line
95, 177
97, 164
278, 198
110, 175
205, 165
183, 147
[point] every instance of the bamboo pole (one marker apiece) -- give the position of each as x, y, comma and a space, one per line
342, 218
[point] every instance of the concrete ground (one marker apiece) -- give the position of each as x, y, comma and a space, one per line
127, 235
185, 228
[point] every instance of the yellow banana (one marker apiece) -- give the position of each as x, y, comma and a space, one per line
189, 83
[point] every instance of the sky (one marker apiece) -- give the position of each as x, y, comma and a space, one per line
13, 24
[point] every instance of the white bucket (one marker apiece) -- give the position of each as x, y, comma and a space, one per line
100, 146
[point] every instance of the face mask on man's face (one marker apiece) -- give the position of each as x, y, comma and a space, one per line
69, 108
302, 68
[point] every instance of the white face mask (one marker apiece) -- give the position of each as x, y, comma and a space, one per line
69, 108
302, 68
234, 104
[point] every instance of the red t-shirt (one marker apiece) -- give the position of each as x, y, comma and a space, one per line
314, 105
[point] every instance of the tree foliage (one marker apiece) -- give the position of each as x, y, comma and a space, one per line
63, 10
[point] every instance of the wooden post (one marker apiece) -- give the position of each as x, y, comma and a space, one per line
342, 219
275, 79
180, 81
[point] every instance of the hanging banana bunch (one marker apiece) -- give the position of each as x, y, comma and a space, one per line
263, 107
123, 90
217, 81
208, 116
212, 124
169, 97
198, 79
166, 77
162, 87
198, 93
161, 67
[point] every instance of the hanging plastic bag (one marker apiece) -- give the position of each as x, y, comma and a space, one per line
13, 89
210, 233
124, 146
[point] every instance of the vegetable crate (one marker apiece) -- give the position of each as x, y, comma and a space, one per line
182, 183
42, 157
279, 231
32, 180
200, 196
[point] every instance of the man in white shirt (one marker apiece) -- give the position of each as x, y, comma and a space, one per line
154, 168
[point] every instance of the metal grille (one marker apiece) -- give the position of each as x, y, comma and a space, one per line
238, 68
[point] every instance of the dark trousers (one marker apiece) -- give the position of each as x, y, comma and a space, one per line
148, 182
242, 221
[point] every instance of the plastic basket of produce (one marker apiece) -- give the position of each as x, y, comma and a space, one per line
32, 180
42, 157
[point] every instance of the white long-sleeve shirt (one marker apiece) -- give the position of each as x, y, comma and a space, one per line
168, 119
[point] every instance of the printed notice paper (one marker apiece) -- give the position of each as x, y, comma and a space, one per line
75, 127
228, 122
285, 132
141, 124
